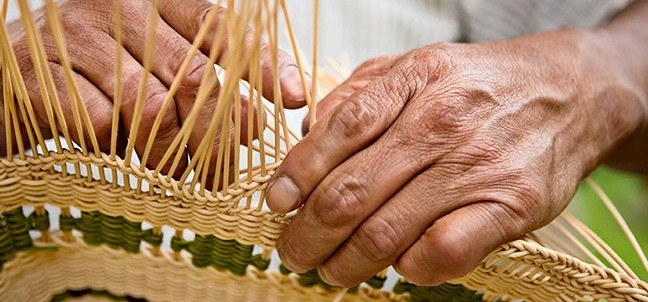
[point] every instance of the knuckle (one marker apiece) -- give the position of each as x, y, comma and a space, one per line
446, 257
454, 253
446, 115
486, 151
193, 77
152, 109
341, 203
519, 199
436, 124
438, 58
205, 8
131, 84
82, 14
526, 198
378, 240
355, 118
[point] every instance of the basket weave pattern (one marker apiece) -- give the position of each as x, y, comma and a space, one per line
106, 235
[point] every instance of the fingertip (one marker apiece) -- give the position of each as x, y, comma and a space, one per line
289, 255
292, 87
331, 278
282, 195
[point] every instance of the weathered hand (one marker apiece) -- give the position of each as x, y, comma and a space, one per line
89, 35
363, 75
441, 155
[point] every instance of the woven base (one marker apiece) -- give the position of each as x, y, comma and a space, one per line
75, 265
112, 223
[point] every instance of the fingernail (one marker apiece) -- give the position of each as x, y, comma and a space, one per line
325, 275
283, 195
291, 85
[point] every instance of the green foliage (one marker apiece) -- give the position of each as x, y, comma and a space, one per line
630, 195
445, 292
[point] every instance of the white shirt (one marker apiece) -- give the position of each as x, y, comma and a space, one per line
361, 29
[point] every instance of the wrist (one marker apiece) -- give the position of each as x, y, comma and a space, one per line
604, 96
620, 52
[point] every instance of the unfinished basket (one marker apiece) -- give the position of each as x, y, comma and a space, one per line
79, 222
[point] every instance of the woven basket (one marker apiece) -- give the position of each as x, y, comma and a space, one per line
76, 222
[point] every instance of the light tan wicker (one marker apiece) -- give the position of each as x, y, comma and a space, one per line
75, 221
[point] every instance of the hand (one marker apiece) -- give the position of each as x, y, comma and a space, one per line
89, 35
430, 161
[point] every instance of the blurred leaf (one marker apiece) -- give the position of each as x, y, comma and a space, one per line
629, 194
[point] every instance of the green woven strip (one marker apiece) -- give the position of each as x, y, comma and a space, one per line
200, 248
153, 239
40, 223
310, 278
19, 227
445, 292
260, 263
117, 232
283, 269
7, 250
222, 254
67, 224
90, 225
179, 244
14, 234
71, 294
376, 282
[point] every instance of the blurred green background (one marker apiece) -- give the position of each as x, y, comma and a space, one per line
629, 193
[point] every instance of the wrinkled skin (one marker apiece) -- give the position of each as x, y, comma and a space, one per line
89, 35
426, 160
431, 159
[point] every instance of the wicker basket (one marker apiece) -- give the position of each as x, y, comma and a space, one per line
78, 223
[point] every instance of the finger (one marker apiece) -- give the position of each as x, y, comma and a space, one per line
98, 107
342, 201
351, 193
350, 128
186, 17
389, 230
332, 100
99, 68
363, 75
326, 231
201, 128
256, 125
491, 205
449, 248
170, 52
171, 49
